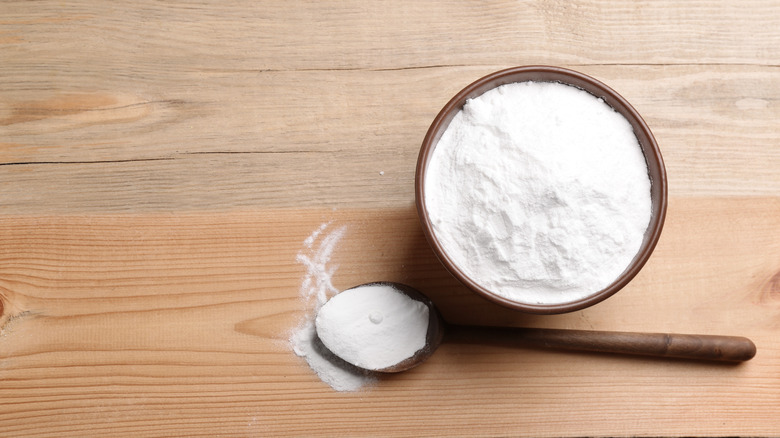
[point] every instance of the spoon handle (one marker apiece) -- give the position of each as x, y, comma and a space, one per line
700, 347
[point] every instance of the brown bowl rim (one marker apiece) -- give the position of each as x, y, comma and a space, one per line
544, 73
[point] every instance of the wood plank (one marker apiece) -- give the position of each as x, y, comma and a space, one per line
171, 324
322, 138
240, 35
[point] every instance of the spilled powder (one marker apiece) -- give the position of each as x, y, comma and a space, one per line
316, 289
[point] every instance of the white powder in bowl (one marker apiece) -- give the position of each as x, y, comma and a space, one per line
373, 326
539, 192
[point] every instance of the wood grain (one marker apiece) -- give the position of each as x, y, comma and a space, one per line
302, 139
176, 324
116, 108
161, 164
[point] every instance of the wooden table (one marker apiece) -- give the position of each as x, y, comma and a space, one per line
162, 163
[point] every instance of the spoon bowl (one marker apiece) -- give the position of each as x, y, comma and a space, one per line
436, 330
730, 349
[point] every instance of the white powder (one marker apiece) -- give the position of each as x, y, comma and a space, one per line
316, 287
373, 326
539, 191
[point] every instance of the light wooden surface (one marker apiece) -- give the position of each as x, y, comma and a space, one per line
162, 163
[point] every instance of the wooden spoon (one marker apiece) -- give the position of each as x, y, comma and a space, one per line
667, 345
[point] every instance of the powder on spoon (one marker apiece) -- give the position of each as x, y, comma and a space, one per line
539, 192
373, 326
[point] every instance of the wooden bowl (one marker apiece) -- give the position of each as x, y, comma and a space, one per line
647, 142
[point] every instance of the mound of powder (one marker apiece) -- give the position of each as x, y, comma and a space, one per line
539, 191
373, 326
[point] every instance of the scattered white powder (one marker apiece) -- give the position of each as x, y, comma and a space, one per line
310, 240
373, 326
316, 287
539, 191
